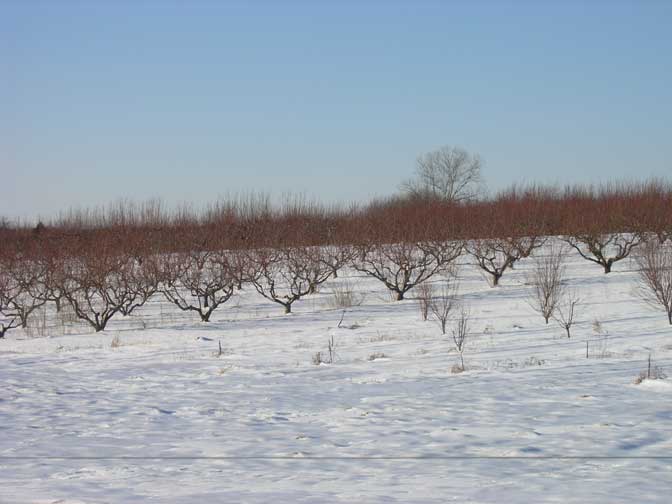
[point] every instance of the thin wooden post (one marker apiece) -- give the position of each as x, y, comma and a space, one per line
648, 372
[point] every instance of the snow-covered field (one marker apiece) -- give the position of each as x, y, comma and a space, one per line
158, 416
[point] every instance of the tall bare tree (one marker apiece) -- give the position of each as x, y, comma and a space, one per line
448, 173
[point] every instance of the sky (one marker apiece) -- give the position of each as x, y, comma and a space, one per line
193, 101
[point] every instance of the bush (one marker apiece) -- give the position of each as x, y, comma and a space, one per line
652, 372
344, 295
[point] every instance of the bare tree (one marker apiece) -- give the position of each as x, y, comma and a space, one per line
141, 281
51, 264
565, 313
23, 288
285, 275
654, 260
198, 281
460, 333
401, 266
9, 318
442, 305
317, 267
495, 255
425, 296
448, 173
93, 286
337, 256
547, 281
241, 267
654, 216
525, 245
603, 248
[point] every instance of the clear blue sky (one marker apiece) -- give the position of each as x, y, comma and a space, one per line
193, 100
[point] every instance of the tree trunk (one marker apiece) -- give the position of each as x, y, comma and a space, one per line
400, 296
58, 305
607, 267
495, 279
288, 308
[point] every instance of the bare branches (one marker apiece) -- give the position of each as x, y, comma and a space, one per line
104, 262
603, 248
654, 260
401, 266
565, 312
441, 306
425, 296
448, 173
198, 281
336, 257
141, 278
288, 274
9, 316
93, 285
460, 332
493, 257
547, 281
21, 289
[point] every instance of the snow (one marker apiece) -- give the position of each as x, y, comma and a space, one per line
162, 418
